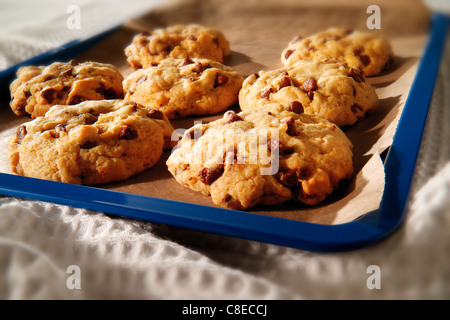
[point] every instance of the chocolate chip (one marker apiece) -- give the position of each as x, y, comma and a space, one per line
287, 150
185, 62
66, 73
191, 37
135, 65
134, 107
266, 93
295, 106
128, 133
155, 114
76, 100
100, 90
56, 132
310, 95
110, 93
365, 60
358, 51
167, 49
305, 173
288, 53
348, 31
208, 176
48, 94
285, 82
73, 62
289, 178
291, 127
227, 198
220, 80
21, 108
198, 68
231, 117
356, 75
143, 41
88, 118
309, 85
88, 145
275, 146
50, 77
357, 110
141, 80
21, 133
60, 127
194, 133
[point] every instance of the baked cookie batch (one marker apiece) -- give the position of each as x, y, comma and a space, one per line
91, 126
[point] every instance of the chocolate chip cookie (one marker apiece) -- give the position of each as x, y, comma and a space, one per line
178, 41
90, 143
184, 87
331, 90
37, 88
263, 156
370, 52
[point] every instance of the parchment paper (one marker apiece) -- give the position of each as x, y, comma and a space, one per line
258, 31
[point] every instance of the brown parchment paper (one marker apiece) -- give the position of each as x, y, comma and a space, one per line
258, 31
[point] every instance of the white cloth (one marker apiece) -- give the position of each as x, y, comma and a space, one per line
29, 28
128, 259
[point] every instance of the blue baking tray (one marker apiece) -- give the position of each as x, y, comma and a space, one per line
368, 229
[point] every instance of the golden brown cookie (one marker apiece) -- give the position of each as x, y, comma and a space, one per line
184, 87
331, 90
36, 89
263, 156
90, 143
370, 52
179, 41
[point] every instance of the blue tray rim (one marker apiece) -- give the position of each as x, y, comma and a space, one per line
369, 229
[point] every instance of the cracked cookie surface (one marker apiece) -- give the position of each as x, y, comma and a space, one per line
196, 41
37, 88
184, 87
331, 90
370, 52
265, 156
90, 143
